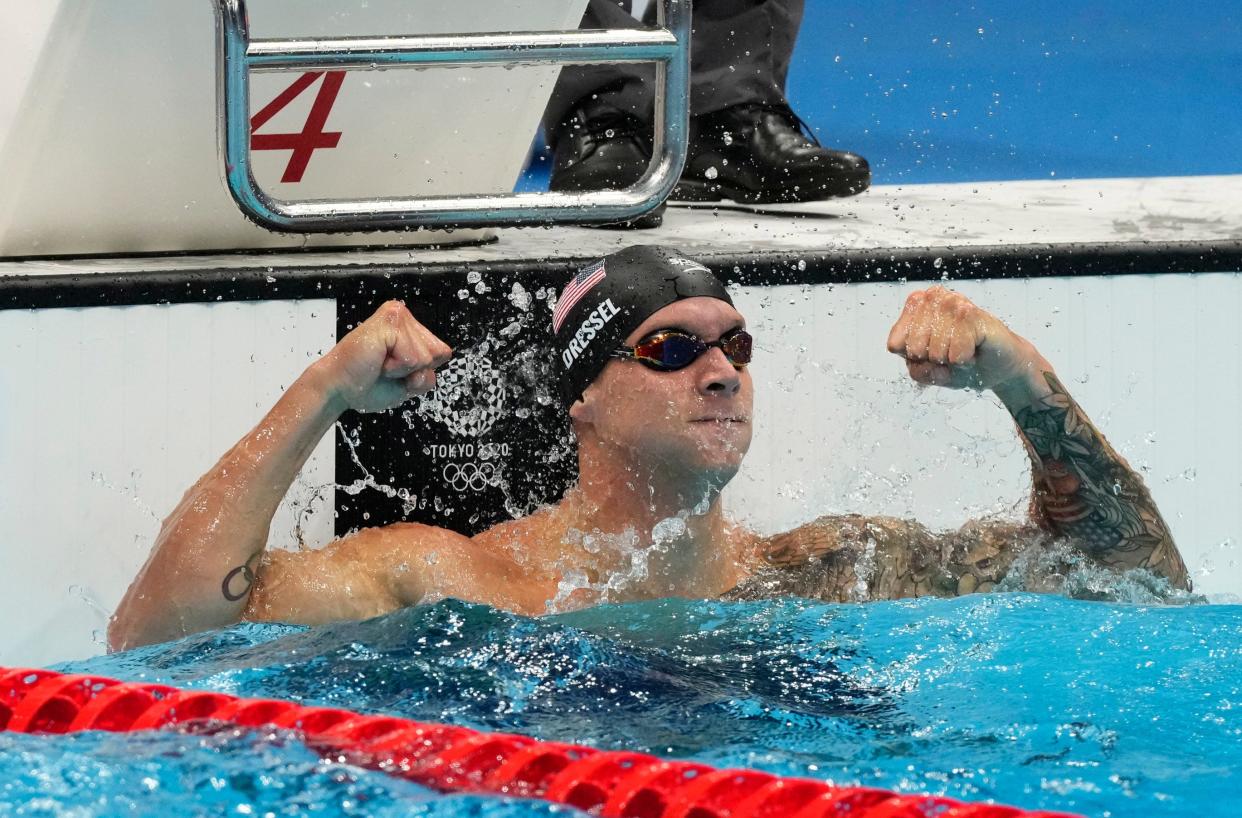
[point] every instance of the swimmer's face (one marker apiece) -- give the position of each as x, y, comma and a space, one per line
697, 418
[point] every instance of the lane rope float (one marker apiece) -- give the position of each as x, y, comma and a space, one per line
613, 784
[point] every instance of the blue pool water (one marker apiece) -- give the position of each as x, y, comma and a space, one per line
1039, 701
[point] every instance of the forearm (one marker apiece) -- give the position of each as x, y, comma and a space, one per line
201, 569
1084, 490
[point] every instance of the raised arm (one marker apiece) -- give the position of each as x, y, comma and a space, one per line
208, 552
1084, 492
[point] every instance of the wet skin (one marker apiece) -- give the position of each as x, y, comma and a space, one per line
655, 449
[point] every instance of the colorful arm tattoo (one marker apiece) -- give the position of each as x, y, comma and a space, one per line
852, 558
1086, 492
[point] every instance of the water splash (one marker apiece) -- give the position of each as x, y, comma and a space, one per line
1035, 700
367, 481
1060, 568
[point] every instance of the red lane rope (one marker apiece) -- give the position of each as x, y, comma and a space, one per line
457, 759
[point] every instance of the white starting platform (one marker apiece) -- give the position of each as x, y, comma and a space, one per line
1108, 225
108, 122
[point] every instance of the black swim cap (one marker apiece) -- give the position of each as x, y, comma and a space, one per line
607, 300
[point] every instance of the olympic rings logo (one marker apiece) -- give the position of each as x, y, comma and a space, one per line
473, 476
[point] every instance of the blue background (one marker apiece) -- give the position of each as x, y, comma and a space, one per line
939, 92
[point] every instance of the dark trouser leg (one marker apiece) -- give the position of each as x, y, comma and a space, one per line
740, 52
624, 86
745, 143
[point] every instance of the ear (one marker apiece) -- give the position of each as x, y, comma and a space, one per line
583, 409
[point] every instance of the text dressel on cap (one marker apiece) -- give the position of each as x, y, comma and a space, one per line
591, 325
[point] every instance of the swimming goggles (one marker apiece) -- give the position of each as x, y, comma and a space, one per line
669, 350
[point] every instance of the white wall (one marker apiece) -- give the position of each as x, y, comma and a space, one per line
107, 415
25, 26
1154, 360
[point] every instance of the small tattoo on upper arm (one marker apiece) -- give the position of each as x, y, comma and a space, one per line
243, 587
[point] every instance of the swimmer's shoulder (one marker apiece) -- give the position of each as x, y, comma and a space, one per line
378, 570
427, 563
822, 559
509, 539
815, 540
354, 577
419, 537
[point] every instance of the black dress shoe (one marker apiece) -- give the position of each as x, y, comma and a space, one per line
757, 154
602, 148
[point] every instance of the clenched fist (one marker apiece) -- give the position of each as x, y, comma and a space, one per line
382, 362
948, 341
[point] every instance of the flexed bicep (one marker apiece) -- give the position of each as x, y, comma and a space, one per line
346, 580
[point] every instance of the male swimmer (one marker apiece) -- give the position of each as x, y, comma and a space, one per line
654, 362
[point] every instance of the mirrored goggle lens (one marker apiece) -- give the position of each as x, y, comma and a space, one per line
670, 351
676, 351
737, 347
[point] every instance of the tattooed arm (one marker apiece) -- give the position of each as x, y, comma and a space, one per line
208, 555
1085, 492
852, 558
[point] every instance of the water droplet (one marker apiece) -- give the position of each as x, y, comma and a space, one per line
728, 138
711, 173
668, 529
519, 297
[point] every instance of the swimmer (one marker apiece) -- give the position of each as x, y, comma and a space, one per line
654, 359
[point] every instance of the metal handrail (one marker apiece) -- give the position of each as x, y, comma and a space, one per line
668, 46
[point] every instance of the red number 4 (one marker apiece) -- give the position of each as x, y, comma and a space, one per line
313, 137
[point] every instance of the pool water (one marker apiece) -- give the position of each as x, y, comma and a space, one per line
1038, 701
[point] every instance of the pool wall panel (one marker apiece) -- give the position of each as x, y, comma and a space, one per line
111, 413
107, 415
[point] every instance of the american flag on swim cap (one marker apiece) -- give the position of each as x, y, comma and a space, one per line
582, 283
